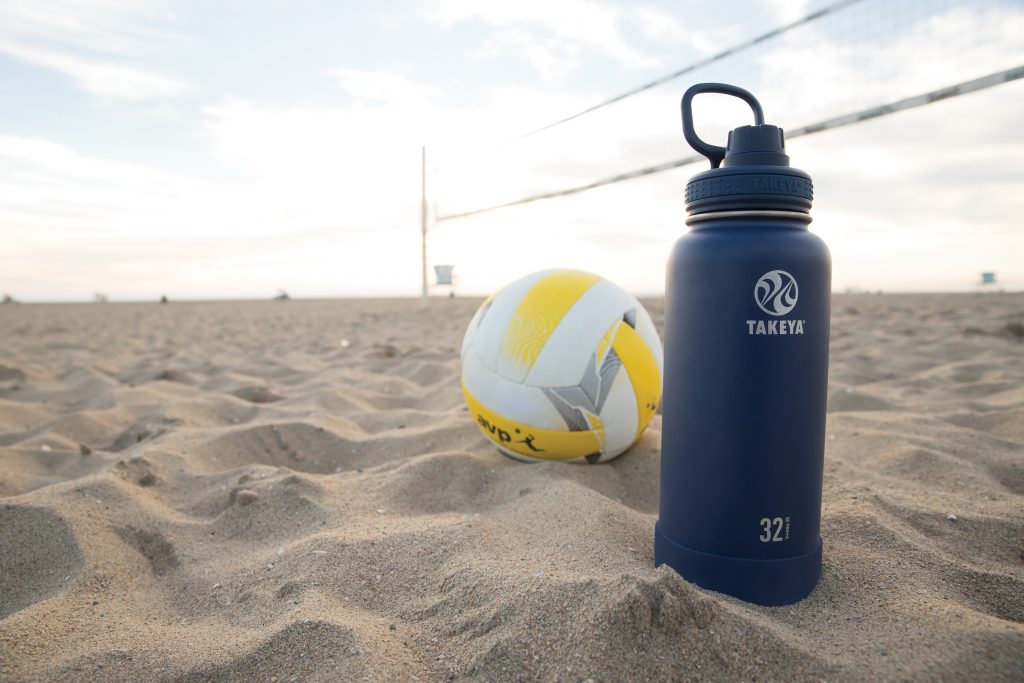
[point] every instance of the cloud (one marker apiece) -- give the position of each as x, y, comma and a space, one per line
587, 23
97, 43
383, 86
101, 77
703, 32
73, 224
551, 58
657, 24
324, 201
114, 26
787, 11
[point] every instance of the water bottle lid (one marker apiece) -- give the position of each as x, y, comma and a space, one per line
751, 172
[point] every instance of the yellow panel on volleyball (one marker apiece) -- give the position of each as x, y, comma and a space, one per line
644, 373
540, 312
542, 444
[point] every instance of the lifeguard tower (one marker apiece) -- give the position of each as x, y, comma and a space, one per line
444, 276
988, 283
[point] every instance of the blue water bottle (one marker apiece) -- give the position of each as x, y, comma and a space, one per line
746, 372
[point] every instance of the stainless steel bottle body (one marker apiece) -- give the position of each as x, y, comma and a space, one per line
743, 427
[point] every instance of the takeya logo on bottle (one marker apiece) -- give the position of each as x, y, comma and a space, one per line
775, 327
776, 294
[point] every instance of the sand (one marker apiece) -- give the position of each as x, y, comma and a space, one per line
294, 491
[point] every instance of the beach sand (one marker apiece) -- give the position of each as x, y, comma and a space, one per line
294, 490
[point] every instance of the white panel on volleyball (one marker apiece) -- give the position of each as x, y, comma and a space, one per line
565, 356
471, 329
518, 402
491, 329
622, 419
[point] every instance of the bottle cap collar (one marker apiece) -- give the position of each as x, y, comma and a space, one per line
752, 171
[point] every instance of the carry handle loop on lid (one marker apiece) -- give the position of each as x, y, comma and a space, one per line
714, 153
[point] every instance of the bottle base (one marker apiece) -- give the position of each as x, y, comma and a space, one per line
763, 582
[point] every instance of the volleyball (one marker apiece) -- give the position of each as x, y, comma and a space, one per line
562, 365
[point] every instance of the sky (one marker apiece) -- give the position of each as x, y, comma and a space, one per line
230, 149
